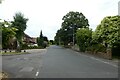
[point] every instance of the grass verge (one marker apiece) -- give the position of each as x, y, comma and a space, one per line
13, 53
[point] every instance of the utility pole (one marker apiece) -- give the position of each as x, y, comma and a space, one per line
59, 40
73, 37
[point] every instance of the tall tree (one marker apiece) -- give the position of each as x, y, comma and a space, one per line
74, 20
20, 23
41, 35
61, 37
71, 22
40, 39
45, 38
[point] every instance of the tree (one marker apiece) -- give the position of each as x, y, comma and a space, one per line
74, 19
71, 22
8, 33
61, 37
84, 37
107, 32
20, 24
40, 39
45, 38
52, 42
57, 38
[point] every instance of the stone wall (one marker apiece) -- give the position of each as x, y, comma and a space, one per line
107, 55
76, 47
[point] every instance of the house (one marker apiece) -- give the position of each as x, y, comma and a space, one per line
29, 40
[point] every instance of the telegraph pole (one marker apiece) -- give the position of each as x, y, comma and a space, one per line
59, 40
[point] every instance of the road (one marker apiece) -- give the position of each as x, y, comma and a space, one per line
58, 62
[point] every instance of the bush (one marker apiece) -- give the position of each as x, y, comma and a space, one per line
24, 46
97, 48
35, 47
83, 37
82, 48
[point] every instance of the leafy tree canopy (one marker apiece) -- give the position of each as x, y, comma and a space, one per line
20, 23
74, 20
71, 22
107, 32
8, 33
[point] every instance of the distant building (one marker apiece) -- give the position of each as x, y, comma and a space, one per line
29, 40
119, 8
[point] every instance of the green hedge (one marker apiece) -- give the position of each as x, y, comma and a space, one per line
97, 48
25, 46
35, 47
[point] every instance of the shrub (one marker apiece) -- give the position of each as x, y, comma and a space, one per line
35, 47
24, 46
97, 48
83, 37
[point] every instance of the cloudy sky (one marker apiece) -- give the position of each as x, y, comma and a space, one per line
46, 15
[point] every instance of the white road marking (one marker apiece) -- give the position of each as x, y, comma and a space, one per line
37, 73
104, 62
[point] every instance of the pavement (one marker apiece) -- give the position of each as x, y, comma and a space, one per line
58, 62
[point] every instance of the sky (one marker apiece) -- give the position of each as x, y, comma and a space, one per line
46, 15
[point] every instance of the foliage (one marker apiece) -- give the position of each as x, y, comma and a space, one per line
45, 38
107, 32
84, 37
51, 42
71, 22
40, 39
20, 24
74, 19
0, 34
61, 37
24, 46
34, 47
96, 48
8, 33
